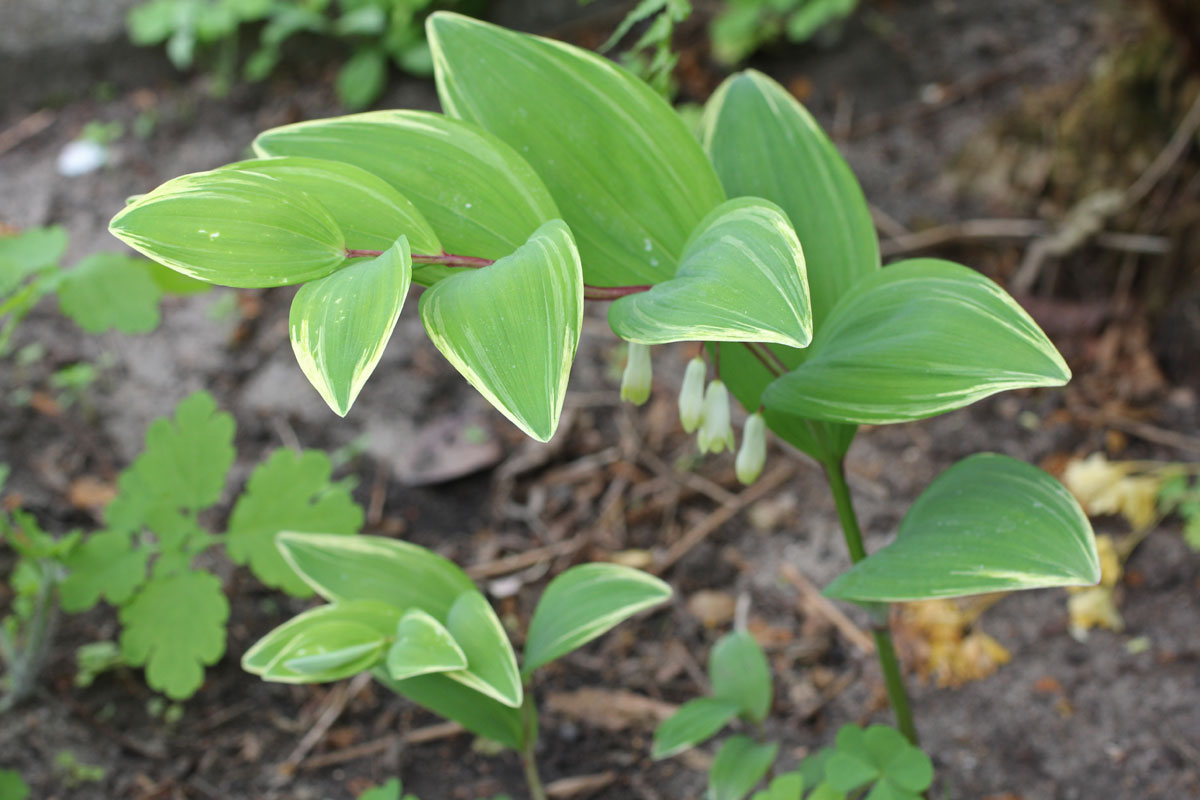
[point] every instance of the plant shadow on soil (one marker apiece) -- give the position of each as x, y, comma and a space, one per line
1117, 724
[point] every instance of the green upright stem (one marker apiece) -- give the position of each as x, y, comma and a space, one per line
893, 678
528, 755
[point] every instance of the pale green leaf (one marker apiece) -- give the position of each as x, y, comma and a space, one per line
512, 328
628, 176
477, 713
476, 192
740, 764
988, 524
234, 227
423, 645
109, 290
403, 575
765, 144
583, 603
741, 279
174, 627
740, 673
28, 252
380, 617
491, 662
105, 565
696, 721
341, 323
919, 338
371, 213
325, 652
288, 492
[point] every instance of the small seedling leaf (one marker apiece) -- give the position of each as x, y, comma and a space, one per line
740, 673
990, 523
788, 786
111, 291
740, 764
695, 722
289, 491
583, 603
104, 565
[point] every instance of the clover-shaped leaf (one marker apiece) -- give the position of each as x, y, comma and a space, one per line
288, 492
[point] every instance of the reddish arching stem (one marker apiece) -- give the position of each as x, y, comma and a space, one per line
472, 262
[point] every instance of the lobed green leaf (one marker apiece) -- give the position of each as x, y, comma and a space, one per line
289, 491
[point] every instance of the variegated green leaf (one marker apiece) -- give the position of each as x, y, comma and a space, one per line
477, 193
741, 279
341, 323
512, 328
988, 524
628, 176
920, 338
234, 228
371, 213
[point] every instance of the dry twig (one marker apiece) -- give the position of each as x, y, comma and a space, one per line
817, 603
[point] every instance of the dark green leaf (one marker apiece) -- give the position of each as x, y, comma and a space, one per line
477, 713
739, 766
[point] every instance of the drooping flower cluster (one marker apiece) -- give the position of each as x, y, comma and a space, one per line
703, 409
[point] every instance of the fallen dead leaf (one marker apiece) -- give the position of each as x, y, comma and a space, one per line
610, 709
714, 609
90, 494
938, 642
579, 785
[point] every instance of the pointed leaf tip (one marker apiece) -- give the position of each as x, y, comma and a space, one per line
512, 328
340, 324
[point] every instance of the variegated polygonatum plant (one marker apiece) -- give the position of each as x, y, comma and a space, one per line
554, 177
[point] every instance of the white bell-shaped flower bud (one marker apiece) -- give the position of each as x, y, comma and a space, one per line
715, 431
691, 396
636, 380
753, 455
